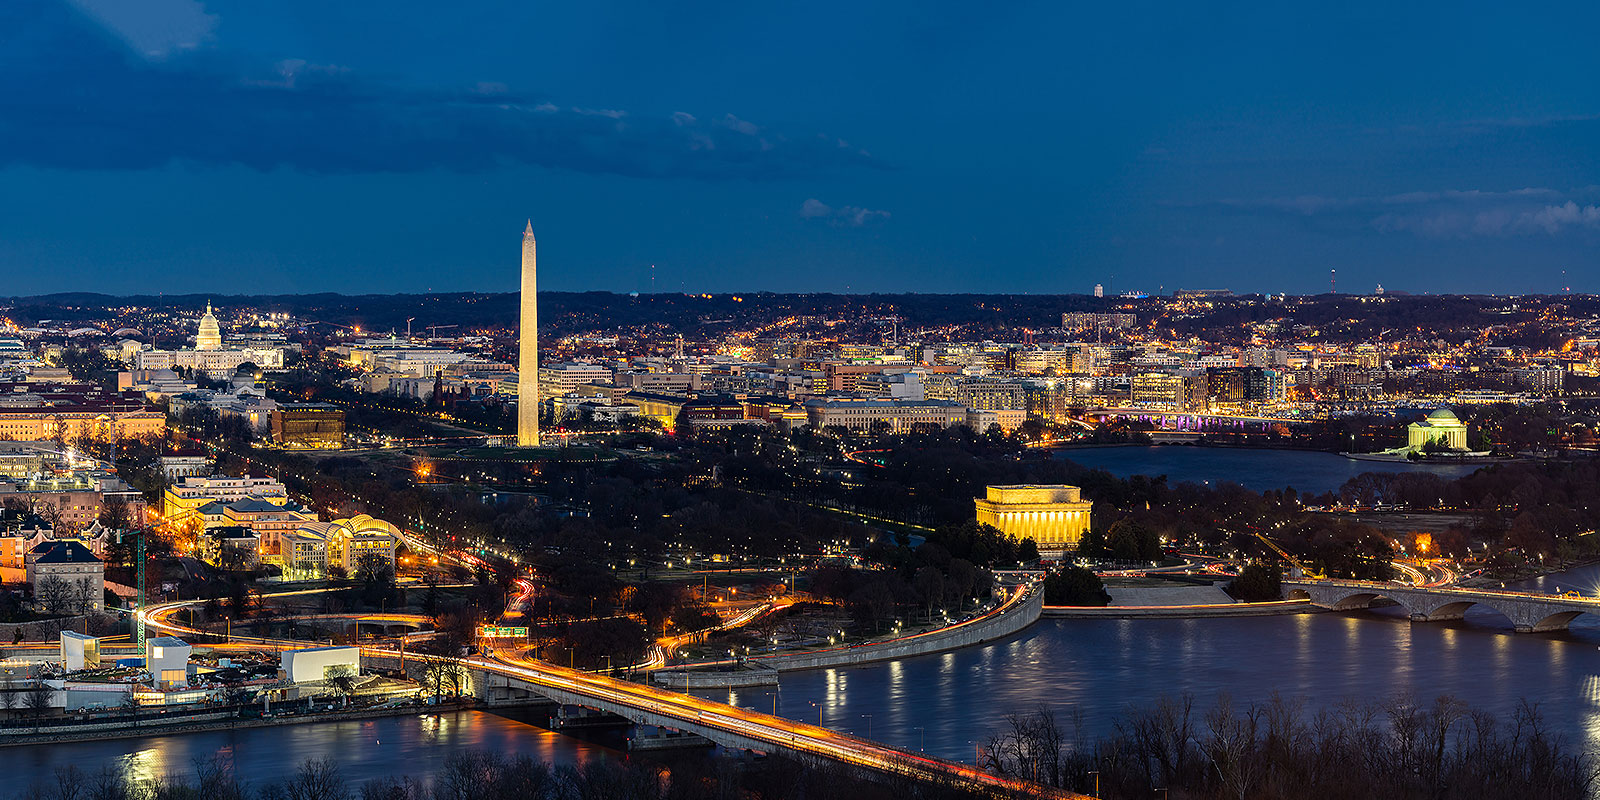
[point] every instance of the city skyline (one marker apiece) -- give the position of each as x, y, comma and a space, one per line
244, 149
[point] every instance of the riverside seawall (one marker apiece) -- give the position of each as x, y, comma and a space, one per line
766, 669
1181, 612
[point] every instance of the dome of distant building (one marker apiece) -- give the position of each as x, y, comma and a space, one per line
1443, 414
126, 332
210, 336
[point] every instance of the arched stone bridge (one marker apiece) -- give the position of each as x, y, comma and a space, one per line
1529, 612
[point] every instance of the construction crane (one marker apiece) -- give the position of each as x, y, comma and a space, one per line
138, 613
433, 330
1294, 562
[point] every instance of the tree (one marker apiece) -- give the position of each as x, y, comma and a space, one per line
54, 594
930, 584
9, 696
83, 596
1028, 550
1073, 585
1258, 582
342, 679
38, 698
443, 678
376, 576
114, 513
874, 600
1133, 541
317, 779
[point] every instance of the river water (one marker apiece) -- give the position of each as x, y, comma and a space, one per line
949, 703
1305, 470
414, 745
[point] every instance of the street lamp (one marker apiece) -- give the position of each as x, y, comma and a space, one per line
869, 725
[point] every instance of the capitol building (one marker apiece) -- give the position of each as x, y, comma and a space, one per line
209, 355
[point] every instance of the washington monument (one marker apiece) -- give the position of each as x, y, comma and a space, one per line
528, 353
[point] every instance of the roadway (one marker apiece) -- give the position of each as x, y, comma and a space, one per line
674, 709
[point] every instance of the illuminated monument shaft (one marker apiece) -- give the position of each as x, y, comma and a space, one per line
528, 354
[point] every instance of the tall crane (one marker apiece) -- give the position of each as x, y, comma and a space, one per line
139, 558
1295, 562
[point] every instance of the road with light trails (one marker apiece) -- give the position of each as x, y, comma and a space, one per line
694, 712
783, 733
779, 732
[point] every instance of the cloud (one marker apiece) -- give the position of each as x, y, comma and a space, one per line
1497, 221
77, 97
843, 216
153, 29
1446, 214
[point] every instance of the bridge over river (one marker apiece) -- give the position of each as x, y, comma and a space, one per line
506, 678
1529, 612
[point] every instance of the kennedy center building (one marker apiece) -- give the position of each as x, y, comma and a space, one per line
528, 352
1054, 516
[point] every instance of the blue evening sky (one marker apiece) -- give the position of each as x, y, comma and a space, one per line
362, 146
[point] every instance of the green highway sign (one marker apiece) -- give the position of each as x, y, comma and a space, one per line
497, 632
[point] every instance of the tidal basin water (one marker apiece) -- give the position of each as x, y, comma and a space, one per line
1305, 470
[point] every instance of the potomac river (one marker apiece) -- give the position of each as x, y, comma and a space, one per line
1260, 470
948, 703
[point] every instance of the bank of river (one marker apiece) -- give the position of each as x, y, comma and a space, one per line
1308, 471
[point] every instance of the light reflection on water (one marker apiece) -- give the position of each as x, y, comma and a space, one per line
1097, 668
364, 749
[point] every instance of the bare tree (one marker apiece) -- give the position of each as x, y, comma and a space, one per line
443, 677
317, 779
54, 594
37, 698
82, 596
9, 696
342, 679
110, 783
69, 783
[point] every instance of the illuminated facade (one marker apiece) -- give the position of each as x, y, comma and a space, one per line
210, 335
313, 426
208, 355
1055, 516
1441, 428
900, 416
345, 542
62, 412
528, 352
182, 501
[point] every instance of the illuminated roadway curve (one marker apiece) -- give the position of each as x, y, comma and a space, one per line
719, 722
